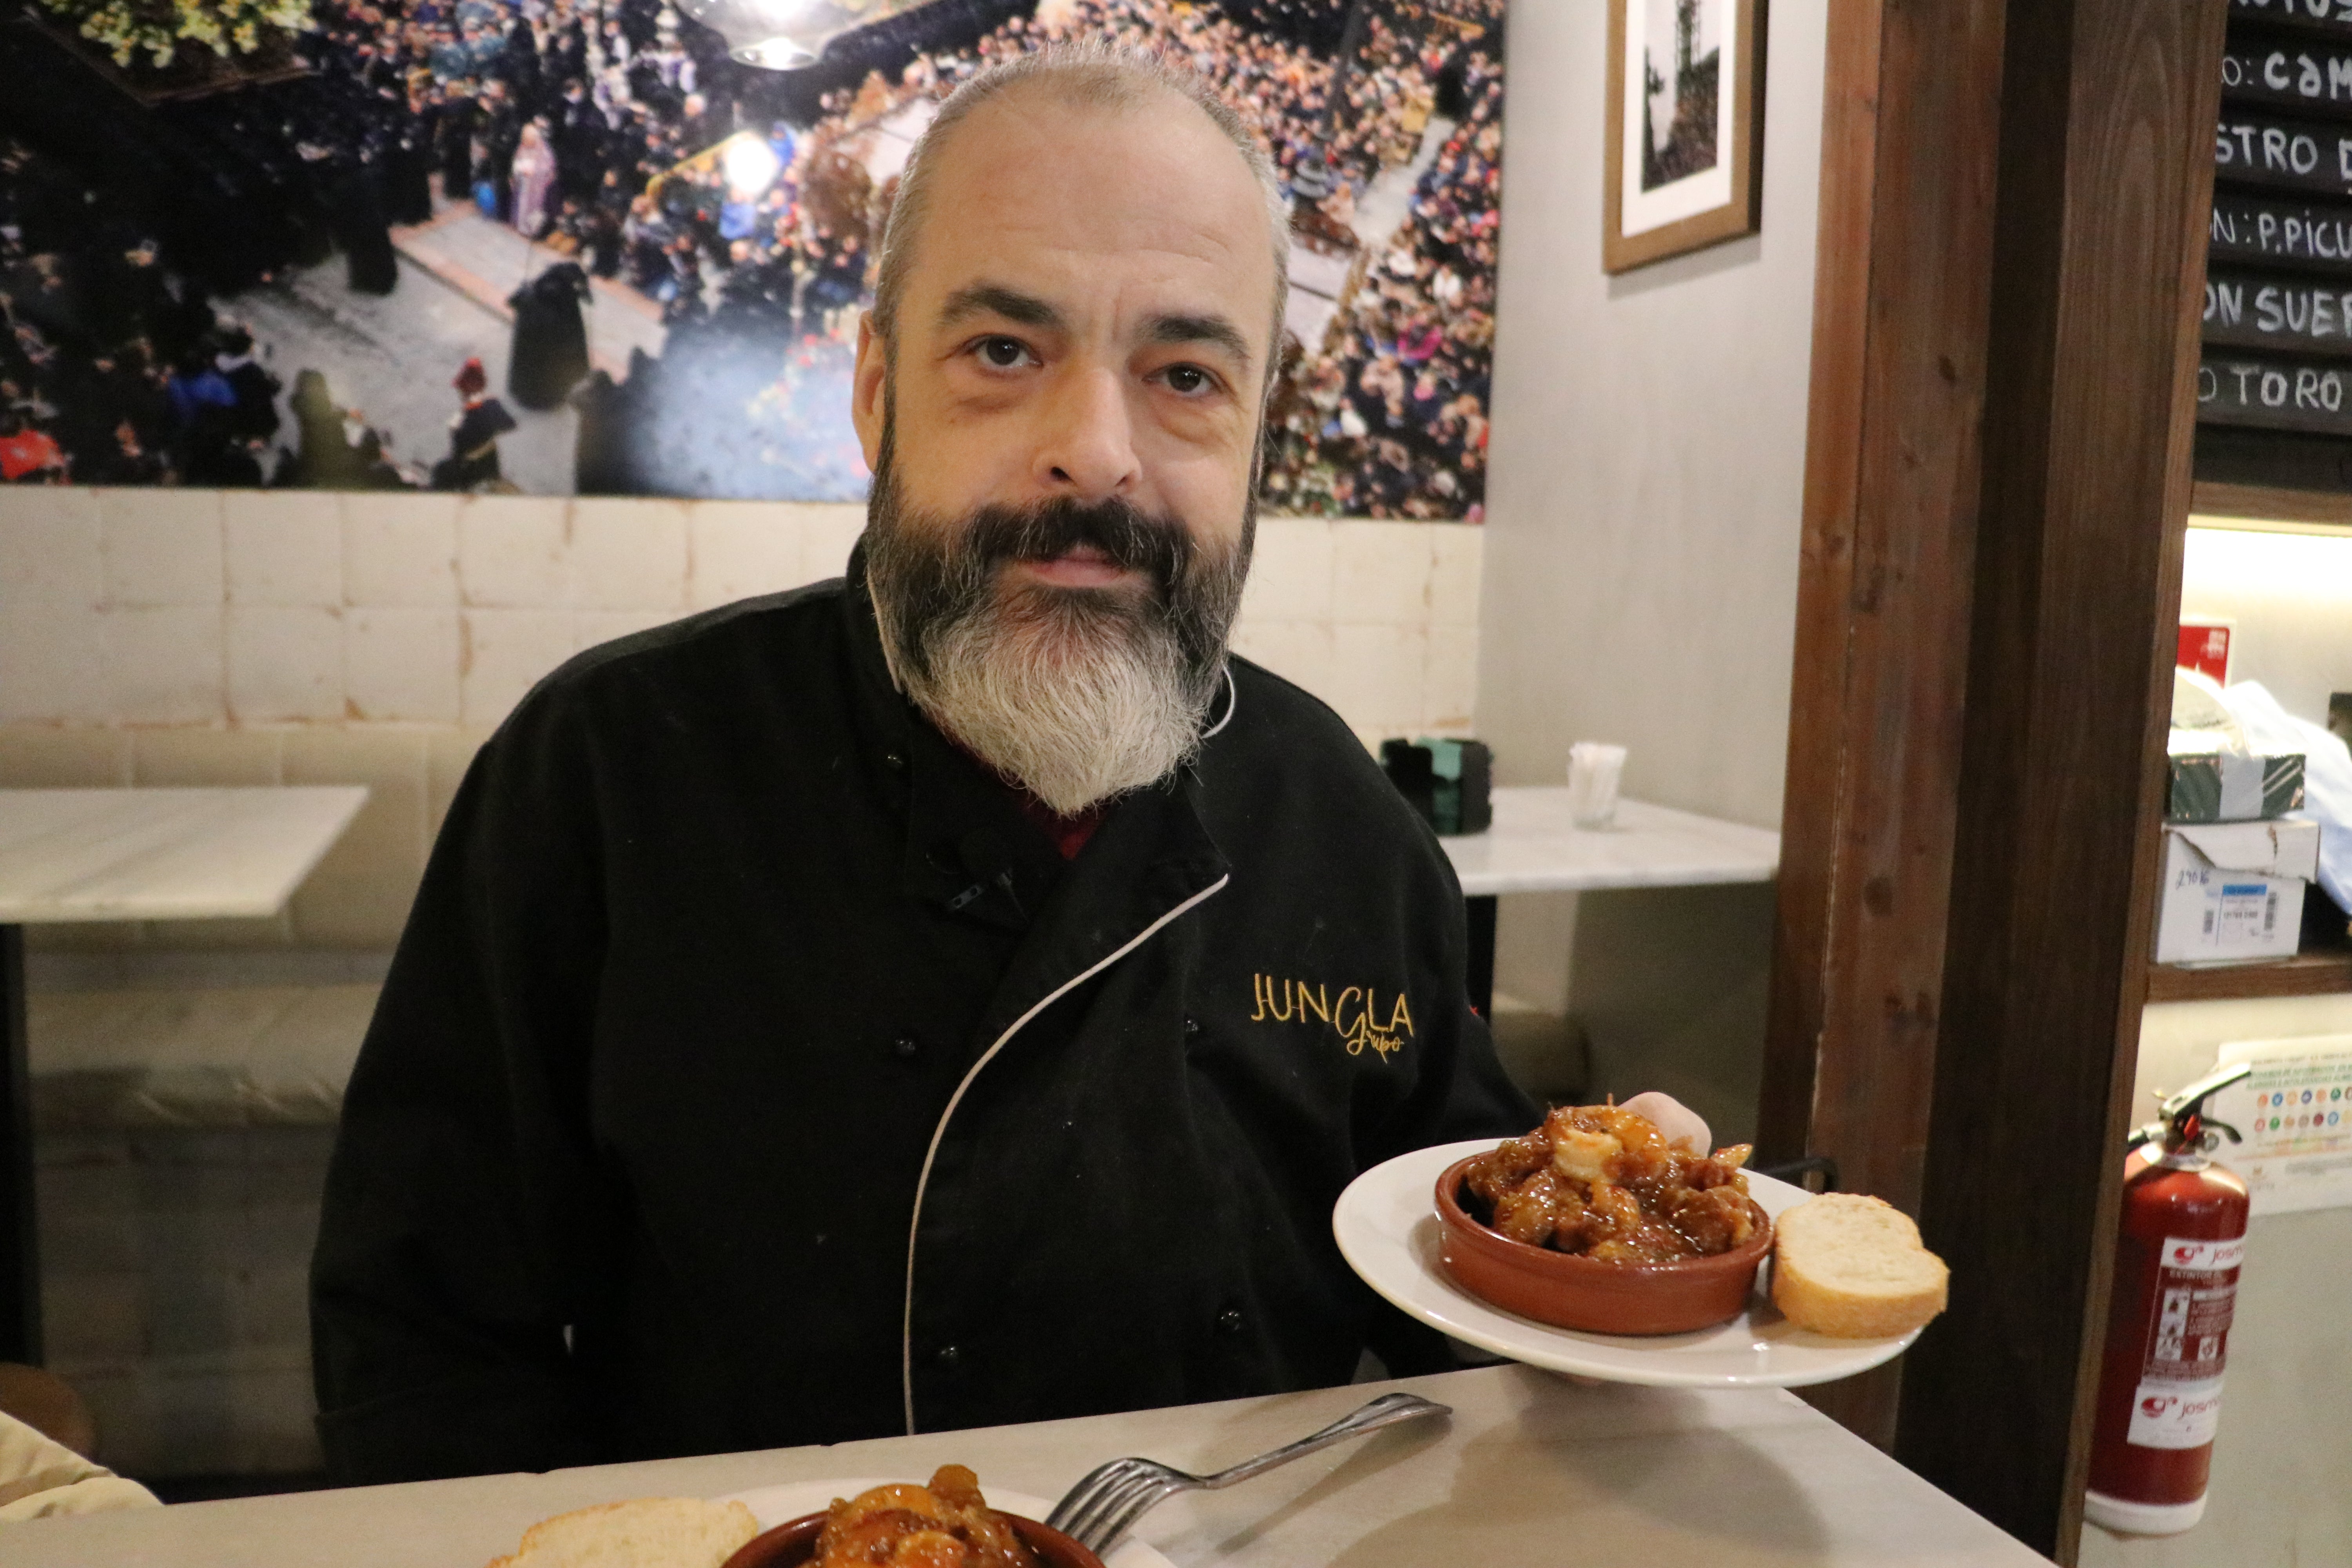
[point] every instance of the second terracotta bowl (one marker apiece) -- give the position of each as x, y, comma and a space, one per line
793, 1544
1569, 1292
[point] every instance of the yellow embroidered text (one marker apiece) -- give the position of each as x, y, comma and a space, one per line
1355, 1014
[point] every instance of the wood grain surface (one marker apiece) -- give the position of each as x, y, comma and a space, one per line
2323, 973
2013, 213
2106, 178
1902, 302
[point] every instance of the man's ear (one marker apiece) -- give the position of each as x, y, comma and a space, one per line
869, 391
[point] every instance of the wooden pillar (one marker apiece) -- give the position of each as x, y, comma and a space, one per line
2106, 176
2012, 240
1902, 302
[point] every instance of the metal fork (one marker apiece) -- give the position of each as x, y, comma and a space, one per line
1099, 1509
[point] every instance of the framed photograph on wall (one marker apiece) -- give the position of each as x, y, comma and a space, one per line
1685, 132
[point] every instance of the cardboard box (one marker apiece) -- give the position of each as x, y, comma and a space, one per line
2208, 786
2234, 890
2205, 645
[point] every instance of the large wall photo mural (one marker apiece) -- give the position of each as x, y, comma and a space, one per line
579, 247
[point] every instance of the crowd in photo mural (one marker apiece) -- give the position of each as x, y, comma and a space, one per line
607, 131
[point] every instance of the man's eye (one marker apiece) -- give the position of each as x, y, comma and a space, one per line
1003, 353
1188, 380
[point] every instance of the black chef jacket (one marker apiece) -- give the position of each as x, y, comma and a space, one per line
752, 1072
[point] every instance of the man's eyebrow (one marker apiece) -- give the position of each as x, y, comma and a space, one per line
996, 300
1181, 327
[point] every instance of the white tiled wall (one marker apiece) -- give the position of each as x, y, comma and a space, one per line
191, 636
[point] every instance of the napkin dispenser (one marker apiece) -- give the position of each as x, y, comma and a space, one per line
1450, 783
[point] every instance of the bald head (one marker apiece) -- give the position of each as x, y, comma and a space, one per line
1089, 77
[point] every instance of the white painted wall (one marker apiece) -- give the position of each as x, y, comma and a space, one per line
1641, 544
1649, 446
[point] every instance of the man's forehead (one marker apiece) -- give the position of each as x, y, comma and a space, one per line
1035, 177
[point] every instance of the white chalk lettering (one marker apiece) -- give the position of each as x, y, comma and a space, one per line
2274, 148
2272, 389
2298, 312
2268, 316
2245, 372
2226, 302
2306, 389
2209, 384
2307, 79
2339, 76
2323, 315
2303, 153
2275, 75
2266, 229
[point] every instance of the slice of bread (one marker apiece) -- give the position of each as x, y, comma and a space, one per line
648, 1532
1852, 1267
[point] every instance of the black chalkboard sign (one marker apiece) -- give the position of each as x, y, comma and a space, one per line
2273, 392
2267, 311
2269, 150
2293, 73
2249, 227
2275, 380
2320, 16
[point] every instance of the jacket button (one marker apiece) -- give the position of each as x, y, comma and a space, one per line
947, 1356
905, 1046
1192, 1027
1230, 1321
894, 762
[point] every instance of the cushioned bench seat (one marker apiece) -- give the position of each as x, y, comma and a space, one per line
274, 1055
181, 1137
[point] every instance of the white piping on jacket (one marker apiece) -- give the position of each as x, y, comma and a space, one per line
907, 1326
1232, 701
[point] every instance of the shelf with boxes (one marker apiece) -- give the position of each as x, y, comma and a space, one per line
2253, 770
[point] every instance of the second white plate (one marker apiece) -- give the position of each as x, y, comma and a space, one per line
774, 1505
1386, 1226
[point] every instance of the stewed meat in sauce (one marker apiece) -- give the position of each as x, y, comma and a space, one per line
1601, 1181
947, 1525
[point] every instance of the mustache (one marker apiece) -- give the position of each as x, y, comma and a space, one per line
1158, 549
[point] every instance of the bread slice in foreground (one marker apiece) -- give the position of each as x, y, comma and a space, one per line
648, 1532
1852, 1267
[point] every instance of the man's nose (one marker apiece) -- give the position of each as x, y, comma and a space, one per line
1087, 449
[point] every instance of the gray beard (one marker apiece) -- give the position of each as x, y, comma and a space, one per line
1078, 694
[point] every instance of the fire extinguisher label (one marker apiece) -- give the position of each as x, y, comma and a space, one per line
2178, 1403
2191, 1256
2168, 1415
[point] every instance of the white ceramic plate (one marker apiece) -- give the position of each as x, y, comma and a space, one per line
1386, 1226
773, 1506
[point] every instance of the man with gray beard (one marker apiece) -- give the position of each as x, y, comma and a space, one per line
949, 995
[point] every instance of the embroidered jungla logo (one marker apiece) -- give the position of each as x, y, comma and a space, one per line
1355, 1014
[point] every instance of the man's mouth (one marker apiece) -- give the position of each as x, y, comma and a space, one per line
1080, 566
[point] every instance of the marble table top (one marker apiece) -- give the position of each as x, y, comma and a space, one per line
163, 854
1534, 847
1530, 1468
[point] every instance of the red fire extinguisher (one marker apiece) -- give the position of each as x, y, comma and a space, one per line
2176, 1255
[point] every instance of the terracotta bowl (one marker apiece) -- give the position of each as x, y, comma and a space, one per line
793, 1543
1572, 1292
